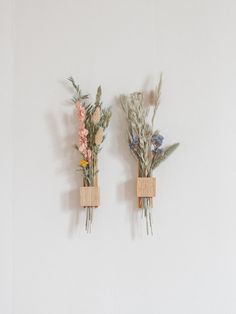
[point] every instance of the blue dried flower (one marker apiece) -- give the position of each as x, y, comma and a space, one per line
157, 140
133, 142
157, 150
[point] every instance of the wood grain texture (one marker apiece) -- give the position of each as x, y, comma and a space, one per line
89, 196
146, 187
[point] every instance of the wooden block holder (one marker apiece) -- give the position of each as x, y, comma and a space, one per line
89, 196
146, 187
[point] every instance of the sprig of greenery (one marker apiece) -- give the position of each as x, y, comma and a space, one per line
78, 93
167, 151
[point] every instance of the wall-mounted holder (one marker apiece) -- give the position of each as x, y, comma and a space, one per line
146, 186
146, 190
89, 196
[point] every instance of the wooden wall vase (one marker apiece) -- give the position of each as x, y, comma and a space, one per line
146, 187
89, 196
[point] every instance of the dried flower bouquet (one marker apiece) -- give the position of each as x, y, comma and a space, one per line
145, 144
93, 121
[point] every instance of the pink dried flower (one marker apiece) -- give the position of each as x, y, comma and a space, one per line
82, 131
83, 141
81, 112
83, 149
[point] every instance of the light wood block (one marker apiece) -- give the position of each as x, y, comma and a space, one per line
89, 196
146, 187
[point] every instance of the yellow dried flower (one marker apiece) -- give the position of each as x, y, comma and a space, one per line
99, 136
83, 163
96, 115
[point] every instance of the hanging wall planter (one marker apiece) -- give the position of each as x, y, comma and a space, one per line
93, 120
89, 196
145, 144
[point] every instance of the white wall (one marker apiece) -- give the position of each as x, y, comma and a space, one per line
6, 89
188, 266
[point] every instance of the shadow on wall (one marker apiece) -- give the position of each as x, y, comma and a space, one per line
63, 130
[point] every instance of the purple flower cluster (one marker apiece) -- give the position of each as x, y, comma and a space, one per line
133, 142
157, 140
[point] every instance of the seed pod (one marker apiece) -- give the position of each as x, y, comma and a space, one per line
152, 97
96, 115
99, 136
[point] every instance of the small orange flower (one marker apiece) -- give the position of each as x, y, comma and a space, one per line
83, 163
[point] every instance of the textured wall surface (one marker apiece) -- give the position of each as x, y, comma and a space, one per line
48, 264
